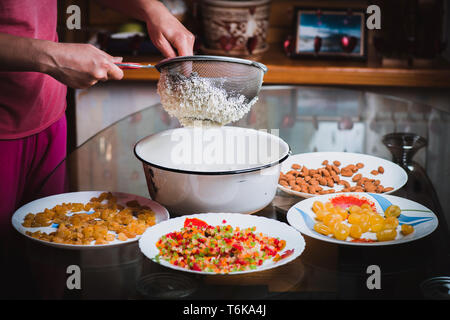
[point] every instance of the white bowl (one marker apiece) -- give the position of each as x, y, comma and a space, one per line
225, 169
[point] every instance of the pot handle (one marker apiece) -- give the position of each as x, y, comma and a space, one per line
133, 65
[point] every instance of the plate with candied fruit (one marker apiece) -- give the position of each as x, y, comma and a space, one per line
88, 219
222, 243
362, 219
317, 173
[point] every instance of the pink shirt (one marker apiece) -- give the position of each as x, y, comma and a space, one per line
29, 101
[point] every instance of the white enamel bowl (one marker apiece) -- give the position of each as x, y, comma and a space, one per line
226, 169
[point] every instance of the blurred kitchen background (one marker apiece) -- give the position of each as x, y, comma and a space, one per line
405, 66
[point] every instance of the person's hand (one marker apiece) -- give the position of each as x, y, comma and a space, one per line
81, 65
167, 33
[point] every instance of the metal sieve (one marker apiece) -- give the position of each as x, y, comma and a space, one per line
236, 76
207, 90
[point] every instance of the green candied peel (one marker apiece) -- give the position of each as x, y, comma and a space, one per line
157, 258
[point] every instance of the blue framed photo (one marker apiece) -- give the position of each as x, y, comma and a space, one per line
330, 33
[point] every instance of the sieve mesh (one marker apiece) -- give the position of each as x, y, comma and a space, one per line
235, 76
210, 89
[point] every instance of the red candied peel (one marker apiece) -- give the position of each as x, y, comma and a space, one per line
194, 222
347, 201
284, 255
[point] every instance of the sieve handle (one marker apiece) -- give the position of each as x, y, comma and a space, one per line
133, 65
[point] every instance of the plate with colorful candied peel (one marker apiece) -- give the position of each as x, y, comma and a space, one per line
311, 174
362, 219
88, 219
221, 243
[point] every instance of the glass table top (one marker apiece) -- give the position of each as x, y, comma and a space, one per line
309, 119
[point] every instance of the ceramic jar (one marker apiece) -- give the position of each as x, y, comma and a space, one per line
235, 28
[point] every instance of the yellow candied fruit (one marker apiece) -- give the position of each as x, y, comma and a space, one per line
354, 218
110, 237
318, 207
76, 207
140, 229
355, 231
354, 210
365, 226
341, 231
329, 207
122, 237
376, 219
101, 241
392, 211
320, 215
331, 219
322, 229
406, 229
386, 235
342, 212
390, 223
364, 218
93, 227
376, 227
367, 212
357, 220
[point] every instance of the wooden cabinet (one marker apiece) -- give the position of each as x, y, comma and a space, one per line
284, 70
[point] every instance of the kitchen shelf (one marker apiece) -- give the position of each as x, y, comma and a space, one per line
283, 70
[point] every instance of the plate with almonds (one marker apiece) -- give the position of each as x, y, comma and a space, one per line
311, 174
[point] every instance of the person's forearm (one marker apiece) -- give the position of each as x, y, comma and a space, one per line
77, 65
24, 54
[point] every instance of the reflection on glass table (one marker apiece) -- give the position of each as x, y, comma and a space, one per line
309, 119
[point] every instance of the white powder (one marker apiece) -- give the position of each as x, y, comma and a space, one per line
199, 101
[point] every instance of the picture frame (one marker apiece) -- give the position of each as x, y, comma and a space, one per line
329, 33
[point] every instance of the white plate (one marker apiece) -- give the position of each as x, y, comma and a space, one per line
39, 205
269, 227
302, 218
394, 176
